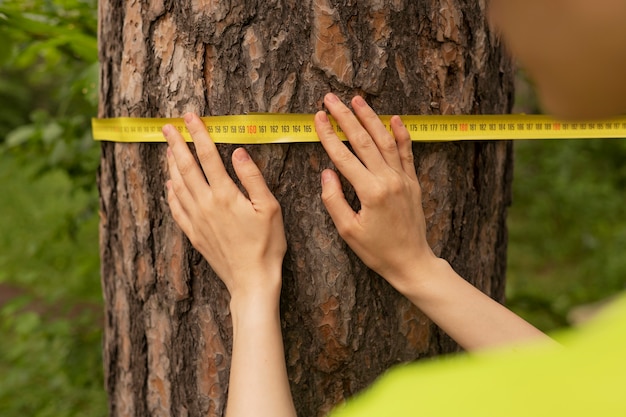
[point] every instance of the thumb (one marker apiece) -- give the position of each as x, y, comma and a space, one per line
250, 176
335, 201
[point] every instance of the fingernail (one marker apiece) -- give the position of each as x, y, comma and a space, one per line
331, 98
241, 155
188, 117
166, 130
358, 101
326, 177
322, 116
398, 121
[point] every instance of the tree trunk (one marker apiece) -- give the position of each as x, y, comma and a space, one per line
168, 332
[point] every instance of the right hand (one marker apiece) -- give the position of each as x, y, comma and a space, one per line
242, 237
389, 231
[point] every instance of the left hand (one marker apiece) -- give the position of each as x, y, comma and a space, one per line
241, 237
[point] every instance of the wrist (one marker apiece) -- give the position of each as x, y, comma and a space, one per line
261, 298
253, 302
419, 278
254, 312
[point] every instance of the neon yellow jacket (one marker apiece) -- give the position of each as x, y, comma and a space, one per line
585, 377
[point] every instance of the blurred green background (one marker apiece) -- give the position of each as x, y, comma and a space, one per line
567, 223
50, 298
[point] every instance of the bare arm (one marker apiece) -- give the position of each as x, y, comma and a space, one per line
389, 231
574, 50
258, 375
243, 240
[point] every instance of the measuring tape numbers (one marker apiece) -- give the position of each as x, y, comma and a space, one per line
263, 128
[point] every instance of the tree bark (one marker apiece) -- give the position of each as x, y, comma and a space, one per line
168, 332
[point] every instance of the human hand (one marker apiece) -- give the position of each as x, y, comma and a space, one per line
389, 231
241, 237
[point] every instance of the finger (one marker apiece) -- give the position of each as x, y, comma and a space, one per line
183, 166
345, 161
177, 181
384, 140
335, 201
178, 212
251, 177
359, 138
206, 150
405, 146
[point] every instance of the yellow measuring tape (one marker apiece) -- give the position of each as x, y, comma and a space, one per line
261, 128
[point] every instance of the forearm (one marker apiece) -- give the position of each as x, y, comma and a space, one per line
243, 239
471, 318
258, 376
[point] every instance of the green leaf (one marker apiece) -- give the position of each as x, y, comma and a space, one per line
41, 27
27, 322
20, 135
51, 132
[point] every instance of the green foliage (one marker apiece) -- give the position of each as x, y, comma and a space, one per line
48, 87
50, 366
48, 233
567, 228
567, 223
49, 249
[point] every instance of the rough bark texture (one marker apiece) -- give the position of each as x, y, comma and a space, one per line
167, 338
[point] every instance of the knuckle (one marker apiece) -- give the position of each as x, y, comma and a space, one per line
363, 140
408, 157
255, 175
395, 185
204, 154
399, 190
219, 199
344, 111
273, 208
185, 166
178, 187
328, 196
174, 208
205, 202
343, 156
378, 195
325, 131
388, 144
346, 230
